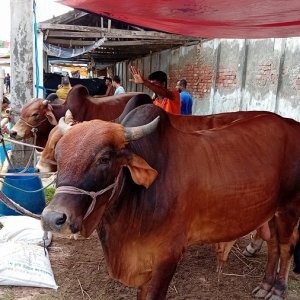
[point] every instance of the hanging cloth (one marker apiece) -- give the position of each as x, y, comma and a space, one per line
71, 52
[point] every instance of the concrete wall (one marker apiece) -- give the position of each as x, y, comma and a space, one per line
21, 39
230, 75
22, 54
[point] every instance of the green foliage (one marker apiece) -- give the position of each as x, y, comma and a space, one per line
49, 192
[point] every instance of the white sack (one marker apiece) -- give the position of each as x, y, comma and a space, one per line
23, 228
23, 264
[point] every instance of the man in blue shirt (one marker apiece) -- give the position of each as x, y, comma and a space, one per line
185, 97
116, 83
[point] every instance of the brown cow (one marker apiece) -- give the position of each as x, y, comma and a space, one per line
47, 162
39, 114
152, 190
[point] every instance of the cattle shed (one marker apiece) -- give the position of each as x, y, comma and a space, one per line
101, 42
222, 74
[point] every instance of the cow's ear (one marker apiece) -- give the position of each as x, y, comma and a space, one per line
141, 172
51, 118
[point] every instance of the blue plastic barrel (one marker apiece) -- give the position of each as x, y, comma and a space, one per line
2, 152
34, 201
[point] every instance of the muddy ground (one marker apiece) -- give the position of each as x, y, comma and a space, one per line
80, 272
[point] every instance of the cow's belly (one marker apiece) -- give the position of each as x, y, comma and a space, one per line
221, 218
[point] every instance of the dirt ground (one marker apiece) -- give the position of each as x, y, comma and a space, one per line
80, 272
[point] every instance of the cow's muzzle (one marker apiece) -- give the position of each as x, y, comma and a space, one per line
53, 220
13, 134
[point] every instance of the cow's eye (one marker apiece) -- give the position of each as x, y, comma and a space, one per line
35, 115
104, 160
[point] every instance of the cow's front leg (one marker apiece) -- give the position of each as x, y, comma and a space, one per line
157, 287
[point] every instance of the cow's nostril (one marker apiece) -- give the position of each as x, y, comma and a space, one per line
61, 220
13, 134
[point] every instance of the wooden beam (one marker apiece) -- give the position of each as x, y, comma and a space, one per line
113, 43
96, 32
67, 17
115, 33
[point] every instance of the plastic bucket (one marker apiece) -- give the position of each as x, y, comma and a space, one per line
32, 201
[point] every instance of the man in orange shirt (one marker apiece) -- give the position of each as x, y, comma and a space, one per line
157, 82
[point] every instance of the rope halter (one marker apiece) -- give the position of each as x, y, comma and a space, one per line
33, 127
76, 191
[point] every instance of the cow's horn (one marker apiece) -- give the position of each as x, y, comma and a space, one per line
135, 133
63, 126
45, 102
69, 117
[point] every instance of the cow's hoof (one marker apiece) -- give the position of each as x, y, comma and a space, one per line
275, 294
250, 251
74, 236
260, 293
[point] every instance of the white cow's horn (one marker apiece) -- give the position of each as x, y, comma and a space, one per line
45, 102
69, 117
63, 126
135, 133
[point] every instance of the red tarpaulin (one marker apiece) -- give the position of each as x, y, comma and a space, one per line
204, 18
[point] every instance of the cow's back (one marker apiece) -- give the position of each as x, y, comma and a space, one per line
195, 123
85, 108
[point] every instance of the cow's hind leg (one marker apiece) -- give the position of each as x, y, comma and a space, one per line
280, 251
297, 251
286, 225
272, 263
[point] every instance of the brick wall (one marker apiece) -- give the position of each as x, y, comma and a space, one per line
229, 75
266, 74
226, 78
199, 78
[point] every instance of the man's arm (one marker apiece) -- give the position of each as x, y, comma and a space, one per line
158, 90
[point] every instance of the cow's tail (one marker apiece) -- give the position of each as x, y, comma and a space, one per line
297, 254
